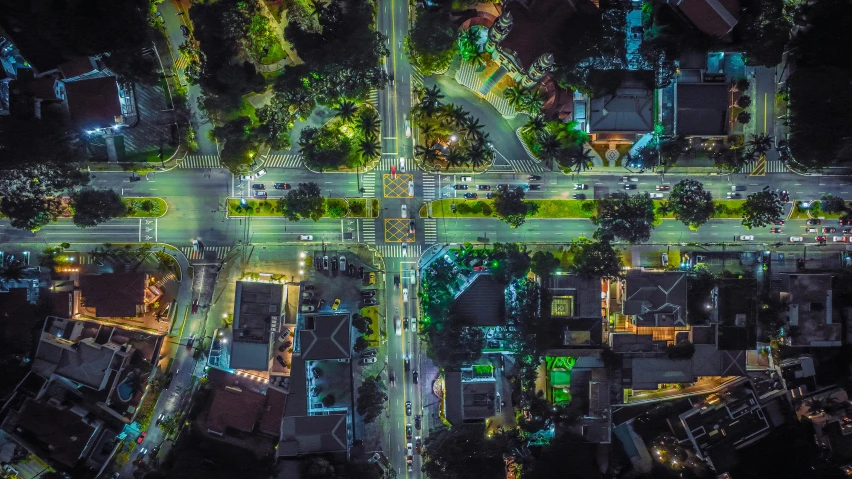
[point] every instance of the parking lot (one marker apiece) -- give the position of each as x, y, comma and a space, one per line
333, 283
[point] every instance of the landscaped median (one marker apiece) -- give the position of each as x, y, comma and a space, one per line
145, 207
550, 209
801, 213
334, 208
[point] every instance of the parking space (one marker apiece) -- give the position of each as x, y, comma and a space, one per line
398, 230
399, 187
325, 286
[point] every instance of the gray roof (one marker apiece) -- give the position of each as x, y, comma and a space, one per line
630, 108
702, 109
656, 299
648, 373
468, 401
328, 339
312, 434
585, 295
709, 361
257, 306
114, 295
482, 302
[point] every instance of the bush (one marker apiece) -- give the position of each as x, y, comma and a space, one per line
486, 210
743, 117
463, 208
357, 208
744, 101
147, 205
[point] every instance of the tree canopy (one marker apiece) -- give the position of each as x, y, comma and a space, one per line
303, 202
761, 208
93, 207
453, 344
431, 42
462, 452
510, 206
564, 449
597, 259
239, 147
630, 218
544, 264
371, 398
832, 204
690, 203
323, 149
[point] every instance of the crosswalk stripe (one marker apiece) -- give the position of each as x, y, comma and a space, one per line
368, 231
181, 63
430, 231
373, 98
200, 161
429, 187
772, 166
283, 161
395, 250
387, 162
191, 254
368, 182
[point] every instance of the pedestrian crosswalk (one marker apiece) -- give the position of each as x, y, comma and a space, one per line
373, 98
283, 161
395, 250
502, 167
200, 161
430, 231
388, 161
368, 231
429, 187
368, 182
181, 63
416, 77
207, 252
526, 165
759, 167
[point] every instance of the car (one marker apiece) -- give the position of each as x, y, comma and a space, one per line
414, 376
483, 187
194, 306
408, 430
404, 250
141, 437
260, 173
534, 178
581, 186
409, 449
407, 128
397, 326
820, 239
844, 222
365, 361
342, 263
284, 346
160, 418
412, 276
393, 171
470, 196
411, 188
625, 179
775, 230
664, 259
372, 278
578, 196
404, 295
402, 165
407, 363
413, 325
417, 422
847, 231
810, 230
418, 444
336, 304
371, 302
390, 79
369, 353
504, 187
404, 210
325, 262
730, 195
662, 187
317, 261
309, 301
796, 239
784, 195
185, 30
840, 239
657, 195
408, 412
368, 293
306, 237
308, 308
778, 223
260, 194
410, 465
258, 186
629, 186
746, 237
281, 186
460, 187
405, 324
281, 361
411, 227
334, 264
535, 187
829, 229
466, 179
814, 222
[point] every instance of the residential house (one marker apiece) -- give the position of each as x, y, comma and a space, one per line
116, 295
655, 299
574, 296
810, 311
94, 103
470, 396
326, 337
713, 17
257, 311
624, 111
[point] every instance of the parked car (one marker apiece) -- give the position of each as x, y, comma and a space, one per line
664, 259
470, 196
483, 187
746, 237
371, 302
281, 186
284, 346
336, 304
185, 30
308, 308
342, 263
369, 353
325, 262
365, 361
368, 293
796, 239
141, 437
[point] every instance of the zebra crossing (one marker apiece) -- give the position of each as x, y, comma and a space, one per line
395, 250
387, 162
373, 98
416, 77
368, 182
526, 165
191, 254
772, 166
283, 161
430, 231
368, 231
181, 63
429, 189
200, 161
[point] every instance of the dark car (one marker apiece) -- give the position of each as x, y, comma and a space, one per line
407, 362
369, 353
844, 222
285, 345
281, 186
535, 187
470, 196
411, 227
829, 229
775, 230
847, 231
185, 30
371, 301
414, 376
408, 431
396, 281
258, 186
408, 412
629, 186
309, 287
417, 422
814, 222
534, 178
368, 293
281, 361
460, 187
504, 187
778, 223
578, 196
489, 195
483, 187
334, 264
309, 301
821, 239
361, 272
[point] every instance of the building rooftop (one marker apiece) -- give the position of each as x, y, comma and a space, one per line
709, 361
243, 404
257, 307
78, 67
94, 102
702, 109
810, 309
313, 434
468, 401
326, 337
482, 302
656, 299
574, 296
114, 295
578, 332
713, 17
649, 373
64, 432
627, 107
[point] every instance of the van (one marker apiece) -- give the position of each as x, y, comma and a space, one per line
738, 188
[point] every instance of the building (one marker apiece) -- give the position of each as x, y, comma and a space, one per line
116, 295
810, 311
94, 103
713, 17
470, 395
257, 312
326, 337
624, 111
574, 296
302, 435
702, 108
655, 298
481, 301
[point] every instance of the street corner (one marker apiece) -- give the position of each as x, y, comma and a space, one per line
397, 187
397, 230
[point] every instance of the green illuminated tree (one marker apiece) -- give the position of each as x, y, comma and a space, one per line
690, 203
430, 42
630, 218
761, 208
92, 207
462, 452
303, 202
544, 264
510, 207
597, 259
371, 398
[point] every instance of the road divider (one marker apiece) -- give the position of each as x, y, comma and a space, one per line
145, 207
335, 208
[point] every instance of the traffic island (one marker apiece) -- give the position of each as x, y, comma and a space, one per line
335, 208
145, 207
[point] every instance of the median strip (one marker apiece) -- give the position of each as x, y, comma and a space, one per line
334, 208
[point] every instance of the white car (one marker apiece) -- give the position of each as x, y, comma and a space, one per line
665, 260
404, 211
342, 263
466, 179
657, 195
404, 295
746, 238
260, 173
366, 361
306, 237
580, 186
410, 448
411, 189
840, 239
404, 250
796, 239
397, 325
407, 129
402, 165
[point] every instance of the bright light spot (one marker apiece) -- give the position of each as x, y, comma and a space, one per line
301, 271
302, 254
454, 137
224, 315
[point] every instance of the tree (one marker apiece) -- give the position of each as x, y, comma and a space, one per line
509, 261
681, 350
324, 148
514, 95
370, 148
303, 202
453, 344
92, 207
240, 147
832, 204
316, 467
597, 259
362, 324
13, 272
761, 208
743, 117
744, 101
535, 124
630, 218
328, 400
760, 143
462, 452
564, 449
346, 111
369, 122
430, 101
360, 344
510, 207
478, 155
764, 31
690, 203
431, 40
575, 158
371, 398
30, 213
468, 47
544, 264
170, 425
276, 121
427, 154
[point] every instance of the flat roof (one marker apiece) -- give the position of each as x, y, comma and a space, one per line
702, 109
114, 295
312, 434
257, 307
585, 294
482, 302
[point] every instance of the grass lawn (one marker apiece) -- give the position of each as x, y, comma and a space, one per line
150, 156
563, 209
358, 207
372, 312
158, 207
799, 213
257, 207
275, 54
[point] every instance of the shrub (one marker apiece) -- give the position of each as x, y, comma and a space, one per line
463, 208
744, 101
357, 208
486, 210
743, 117
147, 205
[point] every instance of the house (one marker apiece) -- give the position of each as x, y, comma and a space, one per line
624, 111
115, 295
702, 109
713, 17
79, 68
655, 298
242, 406
302, 435
470, 397
798, 376
574, 296
257, 310
481, 301
94, 103
810, 311
326, 337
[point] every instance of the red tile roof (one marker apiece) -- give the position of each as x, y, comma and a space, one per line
114, 295
93, 103
714, 17
234, 408
78, 67
270, 421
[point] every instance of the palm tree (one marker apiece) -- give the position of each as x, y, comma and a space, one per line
431, 100
459, 115
549, 143
346, 111
535, 124
532, 101
316, 8
760, 143
369, 122
513, 95
455, 156
446, 113
427, 154
473, 127
13, 272
370, 148
478, 155
577, 158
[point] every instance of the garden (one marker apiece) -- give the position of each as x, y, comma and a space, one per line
332, 207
